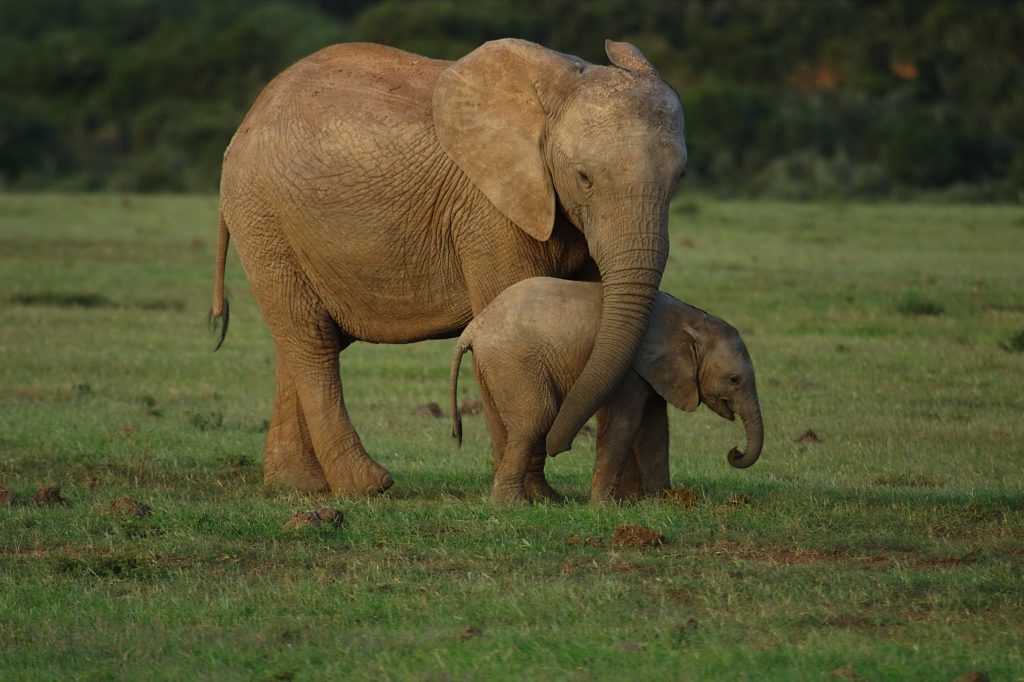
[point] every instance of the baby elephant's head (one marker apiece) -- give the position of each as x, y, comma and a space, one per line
690, 357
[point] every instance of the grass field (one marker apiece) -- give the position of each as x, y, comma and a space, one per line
888, 545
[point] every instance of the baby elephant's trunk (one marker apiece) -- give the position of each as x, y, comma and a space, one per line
750, 414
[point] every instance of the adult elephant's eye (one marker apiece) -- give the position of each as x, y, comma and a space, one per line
584, 179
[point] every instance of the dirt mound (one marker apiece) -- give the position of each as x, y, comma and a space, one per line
637, 536
471, 406
316, 518
428, 410
126, 507
973, 676
809, 436
6, 498
48, 496
471, 632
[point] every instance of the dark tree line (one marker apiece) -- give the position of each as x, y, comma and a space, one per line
785, 98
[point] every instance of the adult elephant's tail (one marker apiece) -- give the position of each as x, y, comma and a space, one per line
220, 313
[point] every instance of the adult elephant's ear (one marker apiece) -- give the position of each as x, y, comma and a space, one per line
489, 118
627, 56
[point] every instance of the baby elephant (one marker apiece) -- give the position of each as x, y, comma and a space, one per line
531, 343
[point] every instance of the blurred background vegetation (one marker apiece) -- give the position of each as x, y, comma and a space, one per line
891, 98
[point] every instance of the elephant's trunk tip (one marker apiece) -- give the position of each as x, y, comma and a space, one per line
739, 460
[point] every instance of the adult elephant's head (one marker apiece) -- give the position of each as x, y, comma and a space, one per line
530, 126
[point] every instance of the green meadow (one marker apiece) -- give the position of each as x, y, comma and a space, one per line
880, 536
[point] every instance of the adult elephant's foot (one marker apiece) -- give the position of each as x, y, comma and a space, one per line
358, 477
508, 495
538, 489
354, 473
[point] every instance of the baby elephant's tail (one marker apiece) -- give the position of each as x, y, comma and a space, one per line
461, 346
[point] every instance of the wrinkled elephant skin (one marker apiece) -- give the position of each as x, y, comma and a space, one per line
381, 196
531, 342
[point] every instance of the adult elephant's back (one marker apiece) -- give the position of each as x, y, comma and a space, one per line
337, 164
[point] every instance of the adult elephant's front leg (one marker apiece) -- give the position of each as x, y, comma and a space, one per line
288, 458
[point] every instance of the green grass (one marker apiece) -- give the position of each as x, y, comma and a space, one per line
891, 549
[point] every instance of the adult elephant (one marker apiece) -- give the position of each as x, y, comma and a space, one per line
381, 196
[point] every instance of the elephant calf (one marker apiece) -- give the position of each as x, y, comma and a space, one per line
532, 340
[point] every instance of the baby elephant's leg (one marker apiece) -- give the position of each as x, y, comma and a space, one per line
617, 424
650, 448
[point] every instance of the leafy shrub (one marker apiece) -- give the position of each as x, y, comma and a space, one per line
915, 303
1015, 344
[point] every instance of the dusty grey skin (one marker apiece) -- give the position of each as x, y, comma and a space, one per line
377, 195
529, 345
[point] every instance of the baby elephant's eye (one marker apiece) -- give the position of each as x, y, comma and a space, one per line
734, 379
584, 179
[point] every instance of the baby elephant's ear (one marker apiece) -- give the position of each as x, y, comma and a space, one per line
672, 374
667, 357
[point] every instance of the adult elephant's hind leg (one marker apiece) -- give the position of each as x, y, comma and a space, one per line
536, 483
288, 458
308, 342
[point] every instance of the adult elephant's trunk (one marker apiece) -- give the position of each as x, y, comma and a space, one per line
631, 270
750, 413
